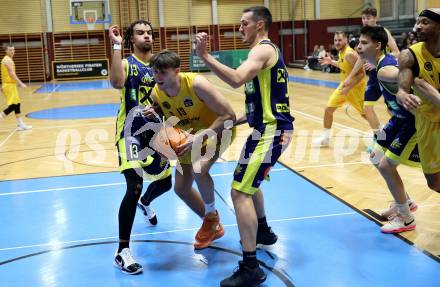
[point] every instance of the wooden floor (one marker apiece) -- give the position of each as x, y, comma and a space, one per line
64, 147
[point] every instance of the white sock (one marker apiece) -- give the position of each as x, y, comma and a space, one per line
404, 210
20, 121
326, 133
209, 207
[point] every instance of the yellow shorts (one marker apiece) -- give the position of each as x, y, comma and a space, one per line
355, 97
11, 94
428, 137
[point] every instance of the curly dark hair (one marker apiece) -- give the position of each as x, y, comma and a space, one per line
129, 32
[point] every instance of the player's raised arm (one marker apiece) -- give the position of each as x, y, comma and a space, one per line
117, 71
392, 44
257, 59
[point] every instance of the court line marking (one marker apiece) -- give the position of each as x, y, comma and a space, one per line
103, 185
56, 245
74, 125
55, 89
123, 183
8, 137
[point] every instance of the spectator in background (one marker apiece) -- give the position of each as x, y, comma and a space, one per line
312, 60
402, 44
333, 52
412, 39
322, 52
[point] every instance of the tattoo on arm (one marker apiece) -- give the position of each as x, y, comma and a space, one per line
406, 77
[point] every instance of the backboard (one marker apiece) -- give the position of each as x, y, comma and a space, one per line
81, 10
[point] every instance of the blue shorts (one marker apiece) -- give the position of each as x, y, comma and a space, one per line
261, 151
373, 92
399, 141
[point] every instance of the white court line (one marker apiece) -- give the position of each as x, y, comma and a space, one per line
332, 165
58, 245
54, 90
123, 183
102, 185
72, 125
8, 137
62, 188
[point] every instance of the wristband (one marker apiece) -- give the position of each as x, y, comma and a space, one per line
117, 46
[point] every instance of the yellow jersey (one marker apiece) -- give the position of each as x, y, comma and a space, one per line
186, 106
426, 67
344, 66
6, 77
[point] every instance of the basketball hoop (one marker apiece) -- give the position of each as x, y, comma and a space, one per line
90, 21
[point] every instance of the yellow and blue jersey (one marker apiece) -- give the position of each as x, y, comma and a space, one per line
267, 98
398, 138
389, 90
135, 94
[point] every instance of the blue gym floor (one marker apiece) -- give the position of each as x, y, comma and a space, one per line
62, 231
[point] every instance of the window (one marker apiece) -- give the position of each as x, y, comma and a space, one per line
393, 9
386, 9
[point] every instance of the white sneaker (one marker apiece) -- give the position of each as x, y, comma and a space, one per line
322, 141
126, 263
149, 214
398, 224
392, 211
23, 127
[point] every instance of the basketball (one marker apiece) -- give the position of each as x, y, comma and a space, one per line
167, 141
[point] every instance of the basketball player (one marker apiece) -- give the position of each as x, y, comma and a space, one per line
346, 60
419, 67
265, 77
198, 105
10, 91
398, 144
134, 78
373, 92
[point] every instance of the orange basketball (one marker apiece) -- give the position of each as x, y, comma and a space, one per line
167, 141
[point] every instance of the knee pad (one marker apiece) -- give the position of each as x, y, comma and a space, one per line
165, 183
17, 109
134, 182
9, 109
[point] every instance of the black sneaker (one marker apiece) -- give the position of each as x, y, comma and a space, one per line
149, 214
266, 236
126, 263
245, 276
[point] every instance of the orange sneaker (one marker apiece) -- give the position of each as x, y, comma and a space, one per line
211, 230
